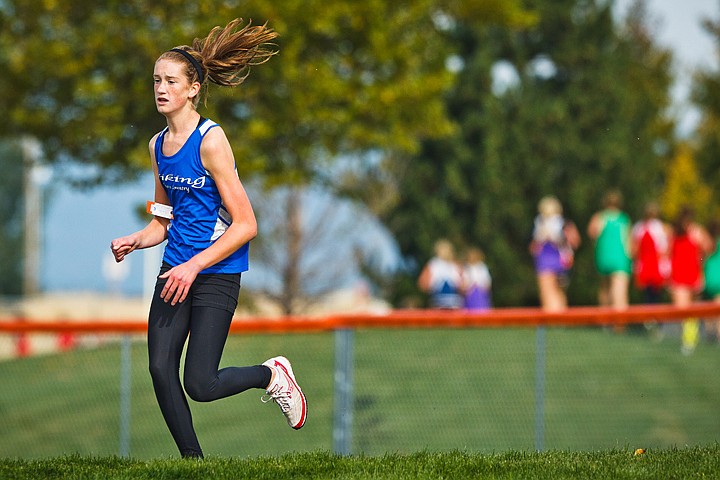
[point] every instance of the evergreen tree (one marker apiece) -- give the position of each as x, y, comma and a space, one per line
706, 145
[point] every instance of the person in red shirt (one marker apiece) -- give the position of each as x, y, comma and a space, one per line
690, 244
650, 251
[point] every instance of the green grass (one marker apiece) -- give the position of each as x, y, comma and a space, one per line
698, 462
414, 390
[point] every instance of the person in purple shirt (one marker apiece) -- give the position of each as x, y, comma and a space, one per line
554, 240
477, 280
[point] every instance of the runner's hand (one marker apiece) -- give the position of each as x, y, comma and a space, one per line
179, 281
122, 246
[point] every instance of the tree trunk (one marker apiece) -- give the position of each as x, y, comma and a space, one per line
291, 273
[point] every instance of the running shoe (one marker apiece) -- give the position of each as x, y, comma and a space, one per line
285, 391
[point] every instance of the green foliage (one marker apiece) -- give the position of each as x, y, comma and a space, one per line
76, 75
350, 76
586, 114
706, 144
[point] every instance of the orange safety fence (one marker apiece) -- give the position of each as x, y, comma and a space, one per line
417, 318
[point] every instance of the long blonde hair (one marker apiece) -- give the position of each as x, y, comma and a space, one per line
225, 55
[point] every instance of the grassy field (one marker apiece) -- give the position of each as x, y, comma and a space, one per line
430, 391
699, 462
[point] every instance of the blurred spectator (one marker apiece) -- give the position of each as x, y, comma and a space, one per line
690, 243
711, 270
442, 277
610, 228
477, 281
650, 248
552, 245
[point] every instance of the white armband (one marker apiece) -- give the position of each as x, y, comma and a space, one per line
159, 210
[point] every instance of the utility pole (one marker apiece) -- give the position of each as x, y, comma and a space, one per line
34, 178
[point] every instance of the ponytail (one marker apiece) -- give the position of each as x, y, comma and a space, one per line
226, 54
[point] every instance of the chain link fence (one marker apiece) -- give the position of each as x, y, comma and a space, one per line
382, 389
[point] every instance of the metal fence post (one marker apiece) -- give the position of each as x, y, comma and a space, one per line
342, 420
125, 392
539, 388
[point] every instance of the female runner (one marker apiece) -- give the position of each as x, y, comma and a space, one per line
208, 233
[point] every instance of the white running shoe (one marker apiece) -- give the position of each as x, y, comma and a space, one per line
285, 391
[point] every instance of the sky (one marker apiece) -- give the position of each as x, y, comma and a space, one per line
78, 226
77, 231
677, 24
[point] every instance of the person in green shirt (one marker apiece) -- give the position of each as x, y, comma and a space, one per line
711, 271
610, 229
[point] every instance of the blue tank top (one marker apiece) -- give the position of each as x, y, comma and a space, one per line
199, 217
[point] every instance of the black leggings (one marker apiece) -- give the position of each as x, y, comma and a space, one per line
205, 316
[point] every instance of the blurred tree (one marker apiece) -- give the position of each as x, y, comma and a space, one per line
350, 76
307, 245
684, 186
11, 218
706, 144
572, 106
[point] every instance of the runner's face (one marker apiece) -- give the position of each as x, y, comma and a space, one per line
172, 89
